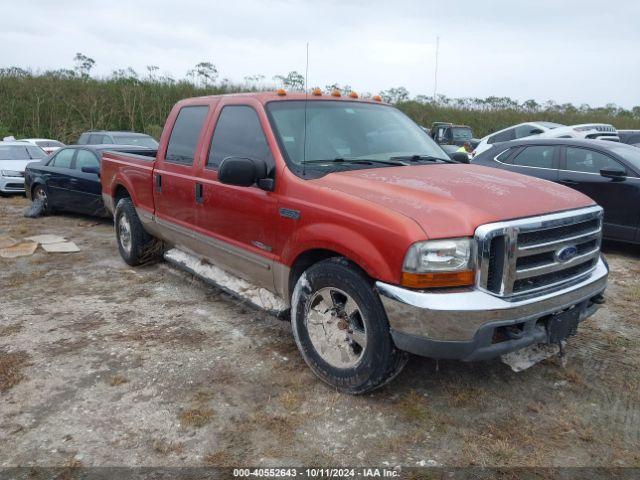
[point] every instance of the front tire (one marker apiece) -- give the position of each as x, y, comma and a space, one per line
136, 246
341, 328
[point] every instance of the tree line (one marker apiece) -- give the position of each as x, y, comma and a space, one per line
62, 103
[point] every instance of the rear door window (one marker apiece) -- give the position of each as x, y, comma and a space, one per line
539, 156
96, 139
589, 161
238, 134
184, 136
63, 158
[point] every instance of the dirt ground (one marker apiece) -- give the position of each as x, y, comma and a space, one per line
102, 364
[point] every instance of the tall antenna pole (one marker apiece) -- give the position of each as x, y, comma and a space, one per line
435, 79
306, 101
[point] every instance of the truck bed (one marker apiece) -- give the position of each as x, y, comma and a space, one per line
131, 171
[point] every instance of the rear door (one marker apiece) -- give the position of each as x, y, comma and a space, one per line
539, 161
240, 223
581, 170
85, 187
175, 175
58, 177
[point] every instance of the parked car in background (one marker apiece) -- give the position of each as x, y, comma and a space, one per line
48, 145
631, 137
103, 137
607, 172
595, 131
347, 212
70, 179
450, 134
14, 157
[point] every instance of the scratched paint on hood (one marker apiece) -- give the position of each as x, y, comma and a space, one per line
453, 200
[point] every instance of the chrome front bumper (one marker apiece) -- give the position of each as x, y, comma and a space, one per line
461, 324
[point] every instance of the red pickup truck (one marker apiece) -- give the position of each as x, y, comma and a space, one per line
351, 215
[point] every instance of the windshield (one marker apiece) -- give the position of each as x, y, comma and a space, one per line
138, 140
461, 133
550, 125
347, 130
629, 153
20, 152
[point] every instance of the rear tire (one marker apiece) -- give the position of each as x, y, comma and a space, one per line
40, 193
341, 328
136, 246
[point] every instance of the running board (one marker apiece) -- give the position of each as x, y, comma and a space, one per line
258, 297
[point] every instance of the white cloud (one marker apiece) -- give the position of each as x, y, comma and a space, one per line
573, 50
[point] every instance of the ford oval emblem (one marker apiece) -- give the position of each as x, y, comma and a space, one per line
566, 253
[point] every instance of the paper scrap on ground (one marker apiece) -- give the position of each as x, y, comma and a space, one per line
23, 249
46, 238
62, 247
522, 359
7, 241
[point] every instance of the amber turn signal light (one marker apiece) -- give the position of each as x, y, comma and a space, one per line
440, 279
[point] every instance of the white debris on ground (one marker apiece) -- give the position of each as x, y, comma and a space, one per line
23, 249
522, 359
7, 241
60, 247
46, 238
260, 297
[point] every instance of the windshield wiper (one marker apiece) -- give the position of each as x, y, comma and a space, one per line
359, 161
426, 158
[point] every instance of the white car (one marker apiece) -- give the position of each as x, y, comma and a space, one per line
46, 144
14, 157
595, 131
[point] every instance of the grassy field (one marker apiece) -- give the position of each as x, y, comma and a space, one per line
62, 104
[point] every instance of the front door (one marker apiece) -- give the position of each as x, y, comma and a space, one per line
581, 171
85, 187
239, 223
59, 172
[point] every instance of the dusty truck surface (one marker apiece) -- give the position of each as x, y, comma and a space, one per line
348, 214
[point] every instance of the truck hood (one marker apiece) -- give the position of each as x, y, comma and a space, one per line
452, 200
15, 165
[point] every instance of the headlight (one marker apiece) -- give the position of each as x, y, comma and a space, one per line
439, 263
10, 173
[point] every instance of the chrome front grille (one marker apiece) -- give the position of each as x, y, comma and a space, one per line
538, 254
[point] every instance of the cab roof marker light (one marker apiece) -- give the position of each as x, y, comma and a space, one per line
281, 92
317, 92
353, 95
377, 98
336, 93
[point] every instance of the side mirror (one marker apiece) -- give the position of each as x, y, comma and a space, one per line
94, 170
460, 157
613, 173
244, 172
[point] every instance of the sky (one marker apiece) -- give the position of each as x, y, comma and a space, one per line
578, 51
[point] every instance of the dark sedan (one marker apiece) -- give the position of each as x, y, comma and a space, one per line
70, 179
607, 172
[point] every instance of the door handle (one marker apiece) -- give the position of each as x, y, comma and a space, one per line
199, 198
158, 182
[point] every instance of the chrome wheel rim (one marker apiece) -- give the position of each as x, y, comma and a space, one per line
336, 327
41, 195
124, 233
